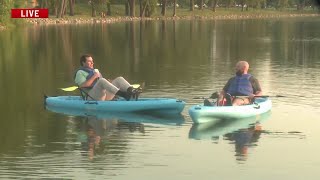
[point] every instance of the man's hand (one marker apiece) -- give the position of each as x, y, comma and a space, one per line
96, 75
251, 96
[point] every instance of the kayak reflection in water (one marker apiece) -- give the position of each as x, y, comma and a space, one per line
242, 84
95, 87
243, 139
95, 134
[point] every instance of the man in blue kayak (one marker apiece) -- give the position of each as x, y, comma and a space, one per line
241, 88
95, 87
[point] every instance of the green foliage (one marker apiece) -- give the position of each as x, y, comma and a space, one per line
152, 6
118, 1
83, 8
100, 5
282, 4
18, 3
5, 11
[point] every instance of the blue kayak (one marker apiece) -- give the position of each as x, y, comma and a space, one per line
148, 105
163, 119
205, 114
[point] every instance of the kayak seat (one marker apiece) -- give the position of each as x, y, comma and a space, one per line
84, 93
226, 100
206, 102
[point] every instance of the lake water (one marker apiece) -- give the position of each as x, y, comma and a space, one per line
176, 59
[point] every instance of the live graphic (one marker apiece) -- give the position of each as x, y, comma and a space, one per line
29, 13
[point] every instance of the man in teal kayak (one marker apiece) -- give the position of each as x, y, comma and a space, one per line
239, 90
95, 87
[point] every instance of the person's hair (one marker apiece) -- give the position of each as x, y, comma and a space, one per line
242, 64
241, 67
83, 58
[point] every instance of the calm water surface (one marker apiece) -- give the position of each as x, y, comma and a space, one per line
177, 59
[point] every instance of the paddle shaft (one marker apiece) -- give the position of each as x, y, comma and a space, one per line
72, 88
265, 96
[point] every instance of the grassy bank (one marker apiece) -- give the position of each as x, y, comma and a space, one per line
83, 15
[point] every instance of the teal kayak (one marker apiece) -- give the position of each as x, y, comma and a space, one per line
204, 114
148, 105
163, 119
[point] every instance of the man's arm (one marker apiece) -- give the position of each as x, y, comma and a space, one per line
225, 88
256, 87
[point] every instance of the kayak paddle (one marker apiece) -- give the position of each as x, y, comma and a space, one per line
72, 88
265, 96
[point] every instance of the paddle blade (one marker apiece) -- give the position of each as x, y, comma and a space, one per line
72, 88
135, 86
138, 86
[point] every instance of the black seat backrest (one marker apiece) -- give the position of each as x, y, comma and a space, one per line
84, 93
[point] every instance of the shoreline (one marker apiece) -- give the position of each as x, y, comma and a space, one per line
108, 20
95, 20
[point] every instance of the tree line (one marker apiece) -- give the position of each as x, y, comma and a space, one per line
147, 8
